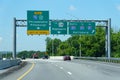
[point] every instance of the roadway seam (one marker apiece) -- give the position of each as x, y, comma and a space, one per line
28, 71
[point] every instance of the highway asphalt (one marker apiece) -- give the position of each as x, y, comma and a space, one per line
38, 69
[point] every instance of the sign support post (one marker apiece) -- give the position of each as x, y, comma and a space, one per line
14, 39
109, 39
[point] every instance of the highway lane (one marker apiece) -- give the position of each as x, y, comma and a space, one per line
91, 70
66, 70
104, 67
45, 70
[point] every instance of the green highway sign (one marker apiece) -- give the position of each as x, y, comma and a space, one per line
37, 22
59, 27
81, 27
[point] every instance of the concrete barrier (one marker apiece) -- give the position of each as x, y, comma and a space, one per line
104, 59
58, 57
4, 73
8, 63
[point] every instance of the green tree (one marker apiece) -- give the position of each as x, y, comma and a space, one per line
52, 45
93, 45
115, 44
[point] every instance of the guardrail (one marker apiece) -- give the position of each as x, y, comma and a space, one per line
9, 63
104, 59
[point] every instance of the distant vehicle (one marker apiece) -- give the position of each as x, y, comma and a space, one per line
45, 57
35, 56
66, 58
23, 58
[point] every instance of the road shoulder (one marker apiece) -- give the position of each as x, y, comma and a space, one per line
12, 69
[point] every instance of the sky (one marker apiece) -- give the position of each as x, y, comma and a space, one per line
58, 9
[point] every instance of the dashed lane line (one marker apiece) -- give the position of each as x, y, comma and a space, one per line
56, 65
61, 67
69, 73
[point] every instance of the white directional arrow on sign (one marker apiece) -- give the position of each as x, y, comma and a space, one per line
93, 31
38, 27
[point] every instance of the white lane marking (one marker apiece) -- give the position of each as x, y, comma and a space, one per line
69, 73
61, 67
53, 61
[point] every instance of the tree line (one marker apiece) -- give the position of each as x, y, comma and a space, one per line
78, 45
26, 54
85, 45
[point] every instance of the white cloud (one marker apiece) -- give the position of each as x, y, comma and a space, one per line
118, 7
72, 8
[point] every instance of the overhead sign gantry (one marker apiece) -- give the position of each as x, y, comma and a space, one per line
38, 23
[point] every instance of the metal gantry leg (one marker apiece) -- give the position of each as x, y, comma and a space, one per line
14, 39
106, 41
109, 38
